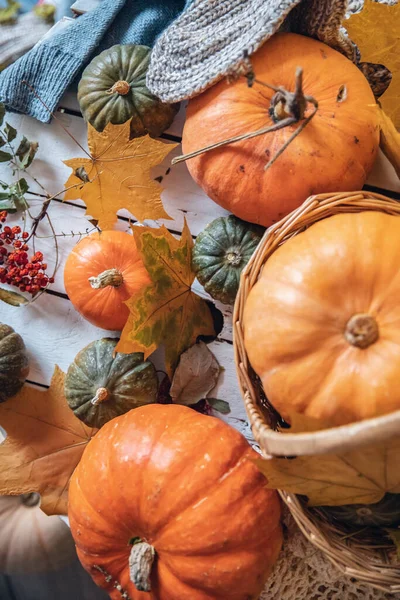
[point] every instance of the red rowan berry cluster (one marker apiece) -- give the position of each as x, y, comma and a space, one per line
16, 267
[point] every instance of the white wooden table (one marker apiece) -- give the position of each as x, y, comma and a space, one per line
53, 330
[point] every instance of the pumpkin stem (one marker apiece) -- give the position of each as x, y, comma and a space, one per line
101, 396
140, 564
120, 87
286, 104
234, 258
111, 277
290, 109
362, 330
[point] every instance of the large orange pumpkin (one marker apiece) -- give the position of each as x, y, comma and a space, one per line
101, 273
322, 323
335, 151
170, 481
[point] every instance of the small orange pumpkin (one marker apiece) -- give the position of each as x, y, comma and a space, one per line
170, 484
335, 151
322, 323
101, 273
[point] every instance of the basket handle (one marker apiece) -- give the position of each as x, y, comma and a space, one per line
328, 441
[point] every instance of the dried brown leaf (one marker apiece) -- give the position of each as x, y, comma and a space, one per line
44, 444
195, 376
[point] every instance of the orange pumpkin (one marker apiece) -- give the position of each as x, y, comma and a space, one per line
168, 483
335, 151
101, 273
322, 323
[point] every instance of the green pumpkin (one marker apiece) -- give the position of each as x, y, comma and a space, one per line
385, 513
113, 90
220, 254
13, 362
101, 384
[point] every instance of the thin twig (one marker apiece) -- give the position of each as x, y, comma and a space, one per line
292, 137
79, 234
43, 211
34, 92
55, 244
36, 181
236, 138
292, 106
267, 85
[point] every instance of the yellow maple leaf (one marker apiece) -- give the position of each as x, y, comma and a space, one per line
361, 476
118, 173
44, 444
167, 312
376, 31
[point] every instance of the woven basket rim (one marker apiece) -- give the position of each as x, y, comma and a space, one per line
348, 554
348, 436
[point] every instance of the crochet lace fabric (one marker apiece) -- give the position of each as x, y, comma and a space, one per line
209, 39
303, 573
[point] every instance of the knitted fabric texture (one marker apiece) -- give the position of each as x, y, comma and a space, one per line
209, 39
52, 65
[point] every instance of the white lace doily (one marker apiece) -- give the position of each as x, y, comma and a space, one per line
303, 573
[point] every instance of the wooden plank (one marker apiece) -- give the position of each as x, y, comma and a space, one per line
54, 333
181, 196
70, 102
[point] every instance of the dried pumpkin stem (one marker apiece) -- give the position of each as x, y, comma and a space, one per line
111, 277
362, 331
120, 87
287, 108
102, 395
140, 564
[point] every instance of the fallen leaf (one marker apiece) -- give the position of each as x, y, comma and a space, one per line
12, 298
361, 476
168, 311
44, 444
195, 376
376, 32
119, 175
26, 152
221, 406
390, 141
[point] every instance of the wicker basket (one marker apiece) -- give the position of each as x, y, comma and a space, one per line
361, 556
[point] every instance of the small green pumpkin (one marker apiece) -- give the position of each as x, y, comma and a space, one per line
220, 254
101, 384
13, 362
385, 513
113, 90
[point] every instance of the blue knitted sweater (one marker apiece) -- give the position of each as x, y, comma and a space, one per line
52, 65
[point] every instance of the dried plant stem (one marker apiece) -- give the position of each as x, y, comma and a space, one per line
44, 209
34, 92
236, 138
281, 150
292, 106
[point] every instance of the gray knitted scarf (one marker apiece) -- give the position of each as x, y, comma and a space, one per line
209, 39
